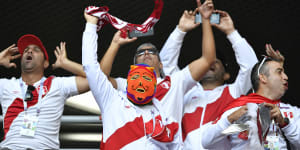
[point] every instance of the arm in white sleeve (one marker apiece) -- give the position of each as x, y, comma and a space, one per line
2, 82
292, 130
99, 84
246, 59
170, 52
213, 134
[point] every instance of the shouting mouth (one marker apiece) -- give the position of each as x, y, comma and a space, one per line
28, 57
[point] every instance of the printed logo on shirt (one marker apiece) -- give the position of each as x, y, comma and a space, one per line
163, 88
194, 97
45, 90
166, 85
16, 92
288, 115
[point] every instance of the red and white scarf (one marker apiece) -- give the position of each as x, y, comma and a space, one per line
105, 18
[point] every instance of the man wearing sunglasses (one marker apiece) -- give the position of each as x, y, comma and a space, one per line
33, 104
156, 125
269, 83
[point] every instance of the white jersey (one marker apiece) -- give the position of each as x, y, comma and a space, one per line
55, 91
203, 106
213, 137
127, 126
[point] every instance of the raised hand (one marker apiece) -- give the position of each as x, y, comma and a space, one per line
205, 9
274, 54
117, 39
226, 24
61, 56
187, 21
275, 113
9, 54
90, 19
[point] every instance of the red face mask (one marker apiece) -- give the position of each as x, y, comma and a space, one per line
141, 84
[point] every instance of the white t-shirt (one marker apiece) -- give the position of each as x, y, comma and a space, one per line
203, 106
55, 91
126, 126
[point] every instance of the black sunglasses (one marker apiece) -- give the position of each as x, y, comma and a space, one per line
143, 51
29, 95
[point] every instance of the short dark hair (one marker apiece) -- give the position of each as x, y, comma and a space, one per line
260, 67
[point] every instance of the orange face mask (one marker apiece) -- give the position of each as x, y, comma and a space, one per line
141, 84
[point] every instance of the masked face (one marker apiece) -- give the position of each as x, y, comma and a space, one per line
141, 84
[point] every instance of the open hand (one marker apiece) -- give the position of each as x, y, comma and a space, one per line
9, 54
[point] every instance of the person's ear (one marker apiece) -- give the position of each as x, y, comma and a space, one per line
46, 64
262, 78
226, 76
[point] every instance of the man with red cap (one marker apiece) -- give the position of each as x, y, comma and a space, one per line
33, 104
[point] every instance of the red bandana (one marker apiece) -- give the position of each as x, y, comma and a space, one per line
105, 18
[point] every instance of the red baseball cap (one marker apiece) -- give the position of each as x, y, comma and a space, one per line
29, 39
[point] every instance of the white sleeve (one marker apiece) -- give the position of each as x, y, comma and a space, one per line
213, 132
185, 79
67, 85
169, 53
100, 86
292, 130
2, 83
121, 83
246, 59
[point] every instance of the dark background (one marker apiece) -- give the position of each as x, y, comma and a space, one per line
259, 21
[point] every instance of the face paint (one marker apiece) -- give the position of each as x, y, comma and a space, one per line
141, 84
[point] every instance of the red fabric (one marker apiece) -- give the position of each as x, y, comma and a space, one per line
29, 39
213, 110
191, 121
105, 18
130, 132
17, 105
251, 98
244, 135
162, 88
161, 133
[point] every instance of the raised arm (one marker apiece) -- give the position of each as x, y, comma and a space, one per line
100, 86
9, 54
63, 62
214, 139
244, 54
170, 52
200, 66
109, 57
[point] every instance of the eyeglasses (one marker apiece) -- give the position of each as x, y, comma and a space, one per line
28, 94
152, 51
261, 63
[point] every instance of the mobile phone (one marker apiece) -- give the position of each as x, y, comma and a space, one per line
214, 18
136, 33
